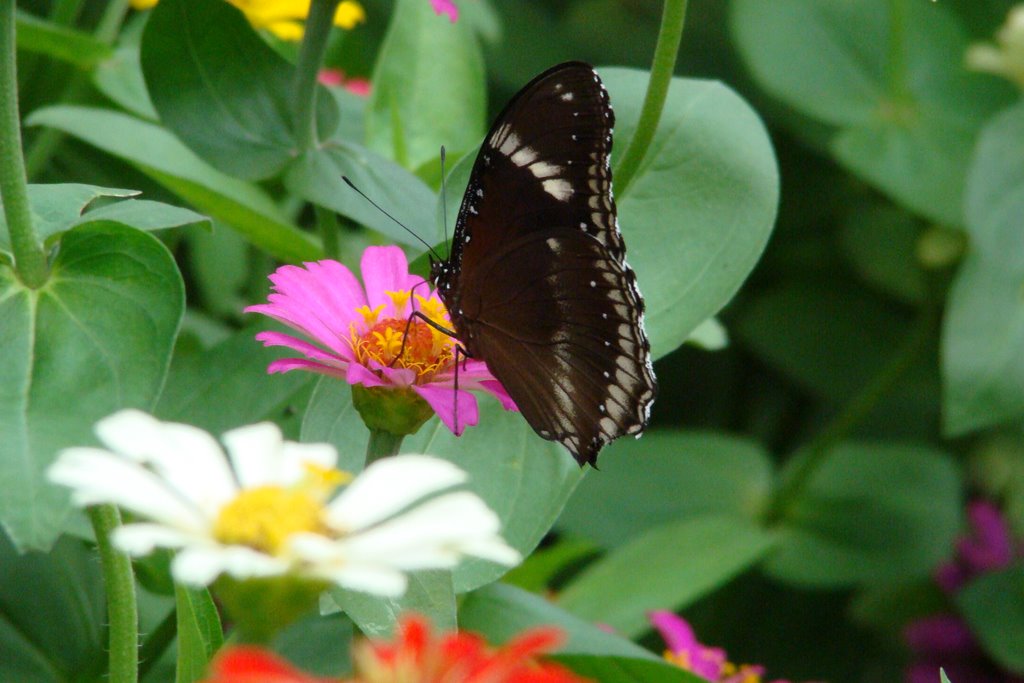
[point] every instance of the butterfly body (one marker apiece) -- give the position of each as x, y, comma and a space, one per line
536, 283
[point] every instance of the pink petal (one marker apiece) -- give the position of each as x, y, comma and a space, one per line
271, 338
494, 388
287, 364
442, 400
400, 377
446, 7
360, 374
674, 630
385, 269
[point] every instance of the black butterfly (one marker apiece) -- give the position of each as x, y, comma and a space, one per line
536, 283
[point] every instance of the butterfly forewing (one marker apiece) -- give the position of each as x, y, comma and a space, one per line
537, 284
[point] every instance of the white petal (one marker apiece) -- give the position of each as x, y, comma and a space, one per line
142, 539
388, 486
201, 565
329, 561
255, 453
98, 476
189, 459
435, 534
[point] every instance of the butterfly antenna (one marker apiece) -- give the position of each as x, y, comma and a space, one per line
397, 222
444, 200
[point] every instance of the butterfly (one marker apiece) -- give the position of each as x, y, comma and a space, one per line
536, 282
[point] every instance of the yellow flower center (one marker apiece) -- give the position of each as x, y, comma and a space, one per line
265, 517
404, 342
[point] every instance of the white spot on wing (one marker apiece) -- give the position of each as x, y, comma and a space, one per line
510, 143
558, 188
524, 156
567, 97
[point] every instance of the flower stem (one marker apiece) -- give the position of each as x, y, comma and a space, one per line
311, 56
327, 221
119, 581
662, 67
29, 257
811, 457
382, 444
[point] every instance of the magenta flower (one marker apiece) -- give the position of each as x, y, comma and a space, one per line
361, 332
686, 652
989, 546
446, 7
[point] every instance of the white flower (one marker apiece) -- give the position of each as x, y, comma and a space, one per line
269, 507
1006, 57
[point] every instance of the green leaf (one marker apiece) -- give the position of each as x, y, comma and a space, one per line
983, 335
681, 475
993, 605
120, 79
666, 567
943, 678
907, 132
200, 634
319, 645
429, 593
524, 479
55, 208
428, 87
626, 670
38, 591
699, 211
881, 243
59, 42
144, 214
539, 570
103, 325
317, 177
228, 386
500, 612
221, 89
871, 512
158, 154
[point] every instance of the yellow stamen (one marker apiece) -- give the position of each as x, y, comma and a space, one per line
399, 299
370, 317
265, 518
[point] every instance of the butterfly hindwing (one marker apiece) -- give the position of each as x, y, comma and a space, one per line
537, 284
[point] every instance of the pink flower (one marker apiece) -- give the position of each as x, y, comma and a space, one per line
686, 652
446, 7
989, 546
367, 337
336, 78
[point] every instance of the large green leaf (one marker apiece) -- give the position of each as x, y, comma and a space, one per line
37, 591
429, 593
983, 336
428, 87
626, 670
228, 386
871, 512
698, 213
97, 337
680, 475
906, 127
221, 89
524, 479
158, 154
501, 612
993, 605
666, 567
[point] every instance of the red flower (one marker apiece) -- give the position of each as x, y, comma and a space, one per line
416, 654
255, 665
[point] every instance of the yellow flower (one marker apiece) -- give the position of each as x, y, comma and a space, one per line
284, 18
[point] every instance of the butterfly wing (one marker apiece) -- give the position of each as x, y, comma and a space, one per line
537, 284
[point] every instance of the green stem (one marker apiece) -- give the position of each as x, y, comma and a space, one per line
311, 56
119, 582
327, 221
662, 67
109, 25
382, 445
29, 257
807, 463
896, 65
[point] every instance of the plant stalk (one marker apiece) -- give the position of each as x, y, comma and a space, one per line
311, 57
382, 445
119, 582
29, 257
663, 66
